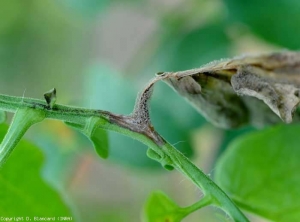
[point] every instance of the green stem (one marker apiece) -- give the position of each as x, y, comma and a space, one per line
205, 201
79, 116
184, 165
208, 187
65, 113
23, 119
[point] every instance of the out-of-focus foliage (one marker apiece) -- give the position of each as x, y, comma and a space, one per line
276, 23
260, 172
22, 190
91, 8
39, 41
160, 207
197, 47
230, 135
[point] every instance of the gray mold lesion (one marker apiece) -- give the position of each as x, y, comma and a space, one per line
258, 89
213, 98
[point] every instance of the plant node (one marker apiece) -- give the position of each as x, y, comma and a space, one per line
50, 97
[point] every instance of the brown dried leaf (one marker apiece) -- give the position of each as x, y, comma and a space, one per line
229, 92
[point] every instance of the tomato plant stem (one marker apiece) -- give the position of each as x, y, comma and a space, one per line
29, 111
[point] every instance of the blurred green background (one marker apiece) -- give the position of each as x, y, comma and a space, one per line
99, 54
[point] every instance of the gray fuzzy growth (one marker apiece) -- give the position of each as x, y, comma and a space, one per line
280, 97
141, 110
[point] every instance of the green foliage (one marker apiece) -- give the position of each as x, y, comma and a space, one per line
87, 8
260, 172
275, 22
230, 135
100, 141
42, 30
22, 190
23, 119
160, 207
199, 46
191, 48
91, 8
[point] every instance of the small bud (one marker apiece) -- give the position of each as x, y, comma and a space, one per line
159, 73
50, 97
165, 161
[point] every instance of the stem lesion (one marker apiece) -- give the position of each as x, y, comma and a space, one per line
137, 126
139, 121
170, 156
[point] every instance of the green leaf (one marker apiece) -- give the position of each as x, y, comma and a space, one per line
100, 142
96, 135
231, 134
22, 190
260, 171
189, 49
160, 208
199, 46
277, 23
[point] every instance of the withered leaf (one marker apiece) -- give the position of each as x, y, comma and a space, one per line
248, 89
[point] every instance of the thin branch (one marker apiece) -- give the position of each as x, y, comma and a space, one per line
136, 126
